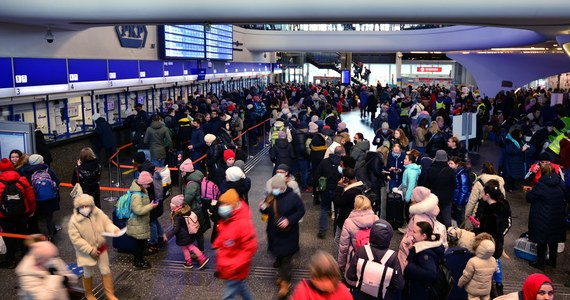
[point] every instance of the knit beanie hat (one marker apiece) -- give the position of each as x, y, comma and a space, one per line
209, 138
313, 127
281, 135
533, 283
234, 174
240, 164
187, 166
6, 165
228, 153
96, 116
230, 197
43, 251
278, 182
440, 155
420, 193
314, 119
144, 178
139, 157
176, 201
283, 167
341, 126
36, 159
385, 126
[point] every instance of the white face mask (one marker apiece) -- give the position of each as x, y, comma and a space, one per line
85, 211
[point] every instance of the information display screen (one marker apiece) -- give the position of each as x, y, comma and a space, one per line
182, 41
196, 41
219, 42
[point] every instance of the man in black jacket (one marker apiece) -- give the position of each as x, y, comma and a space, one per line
440, 178
351, 187
331, 169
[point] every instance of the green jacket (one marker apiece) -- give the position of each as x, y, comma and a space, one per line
138, 225
193, 197
157, 137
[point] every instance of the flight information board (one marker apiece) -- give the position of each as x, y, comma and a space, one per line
182, 41
219, 42
196, 41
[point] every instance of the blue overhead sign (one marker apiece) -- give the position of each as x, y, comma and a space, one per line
6, 80
85, 70
174, 68
39, 71
151, 68
123, 69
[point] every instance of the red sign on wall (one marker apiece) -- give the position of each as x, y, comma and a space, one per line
429, 69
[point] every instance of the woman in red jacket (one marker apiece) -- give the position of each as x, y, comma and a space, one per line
236, 244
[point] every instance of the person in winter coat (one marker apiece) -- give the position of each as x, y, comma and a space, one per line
394, 115
424, 208
536, 286
383, 136
85, 228
214, 158
192, 196
462, 189
283, 228
44, 207
88, 174
344, 204
409, 180
179, 212
15, 221
225, 136
43, 149
235, 245
514, 168
478, 273
158, 138
487, 173
301, 163
454, 148
330, 169
106, 136
42, 274
359, 150
395, 166
138, 225
420, 141
236, 125
197, 147
325, 282
423, 259
317, 149
381, 234
547, 214
440, 178
361, 217
399, 137
282, 151
496, 221
283, 170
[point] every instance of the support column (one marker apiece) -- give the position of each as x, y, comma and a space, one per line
399, 56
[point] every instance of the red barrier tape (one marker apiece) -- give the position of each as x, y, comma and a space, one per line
102, 188
14, 235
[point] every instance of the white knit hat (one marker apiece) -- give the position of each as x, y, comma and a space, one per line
234, 174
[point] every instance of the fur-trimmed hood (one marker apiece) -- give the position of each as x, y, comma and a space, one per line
425, 245
428, 206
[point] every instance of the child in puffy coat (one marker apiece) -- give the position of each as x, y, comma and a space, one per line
478, 273
184, 239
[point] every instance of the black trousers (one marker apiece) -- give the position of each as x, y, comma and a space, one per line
139, 250
13, 225
552, 252
284, 265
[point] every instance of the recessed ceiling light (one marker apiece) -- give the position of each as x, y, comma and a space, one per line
555, 45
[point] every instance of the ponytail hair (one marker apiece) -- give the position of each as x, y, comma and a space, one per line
427, 229
493, 188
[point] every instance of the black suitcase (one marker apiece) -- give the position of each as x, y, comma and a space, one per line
395, 210
124, 243
456, 259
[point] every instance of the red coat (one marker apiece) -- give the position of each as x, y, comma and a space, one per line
24, 186
538, 174
236, 244
305, 291
564, 156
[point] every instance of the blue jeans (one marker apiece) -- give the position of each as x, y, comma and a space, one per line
155, 232
301, 165
326, 203
498, 275
233, 288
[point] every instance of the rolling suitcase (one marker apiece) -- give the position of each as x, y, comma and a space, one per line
124, 243
395, 210
456, 259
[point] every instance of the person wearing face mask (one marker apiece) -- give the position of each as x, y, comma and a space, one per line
395, 166
359, 150
384, 134
283, 170
138, 225
325, 281
331, 170
43, 275
235, 245
284, 213
85, 229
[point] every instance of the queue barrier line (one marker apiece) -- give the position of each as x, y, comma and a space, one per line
174, 168
16, 235
102, 188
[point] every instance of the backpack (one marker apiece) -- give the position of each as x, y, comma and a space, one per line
443, 284
369, 193
362, 237
192, 223
12, 201
373, 276
275, 133
44, 186
123, 206
209, 190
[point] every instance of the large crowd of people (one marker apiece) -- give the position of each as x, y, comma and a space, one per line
417, 181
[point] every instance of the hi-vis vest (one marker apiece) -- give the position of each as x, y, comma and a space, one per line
404, 111
439, 105
555, 141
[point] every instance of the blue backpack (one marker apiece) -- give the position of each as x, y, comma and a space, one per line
123, 206
44, 186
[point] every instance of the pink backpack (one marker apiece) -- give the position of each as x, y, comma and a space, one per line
209, 190
192, 223
362, 237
